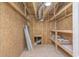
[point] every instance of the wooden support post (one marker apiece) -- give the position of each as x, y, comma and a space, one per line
56, 41
55, 32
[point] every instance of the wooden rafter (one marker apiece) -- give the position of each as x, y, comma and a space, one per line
24, 7
68, 5
35, 8
17, 9
50, 12
47, 10
30, 8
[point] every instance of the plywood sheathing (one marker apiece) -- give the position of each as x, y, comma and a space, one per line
65, 24
11, 31
40, 28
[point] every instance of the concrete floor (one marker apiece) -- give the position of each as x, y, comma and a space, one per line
43, 51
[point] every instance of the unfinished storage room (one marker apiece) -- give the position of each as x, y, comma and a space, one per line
39, 29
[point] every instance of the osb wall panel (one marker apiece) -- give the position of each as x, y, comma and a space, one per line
41, 28
46, 32
37, 29
11, 31
52, 25
64, 24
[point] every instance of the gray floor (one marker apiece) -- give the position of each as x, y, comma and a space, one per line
43, 51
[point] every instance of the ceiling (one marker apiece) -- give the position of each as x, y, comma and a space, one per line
39, 11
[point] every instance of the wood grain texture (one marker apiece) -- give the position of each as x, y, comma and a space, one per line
65, 24
11, 31
40, 28
20, 6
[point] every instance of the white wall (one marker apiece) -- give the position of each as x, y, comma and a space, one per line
76, 29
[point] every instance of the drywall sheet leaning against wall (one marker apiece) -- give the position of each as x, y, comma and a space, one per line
27, 37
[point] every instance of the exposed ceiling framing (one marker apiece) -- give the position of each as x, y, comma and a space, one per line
39, 10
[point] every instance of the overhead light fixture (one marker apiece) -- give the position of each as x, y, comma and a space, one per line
47, 3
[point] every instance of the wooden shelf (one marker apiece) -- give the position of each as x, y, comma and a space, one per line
52, 39
66, 48
62, 31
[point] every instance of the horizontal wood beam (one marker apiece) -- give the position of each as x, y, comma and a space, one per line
63, 9
18, 10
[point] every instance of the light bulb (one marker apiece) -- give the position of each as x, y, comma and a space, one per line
47, 3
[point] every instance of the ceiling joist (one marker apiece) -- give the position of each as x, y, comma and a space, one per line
64, 8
